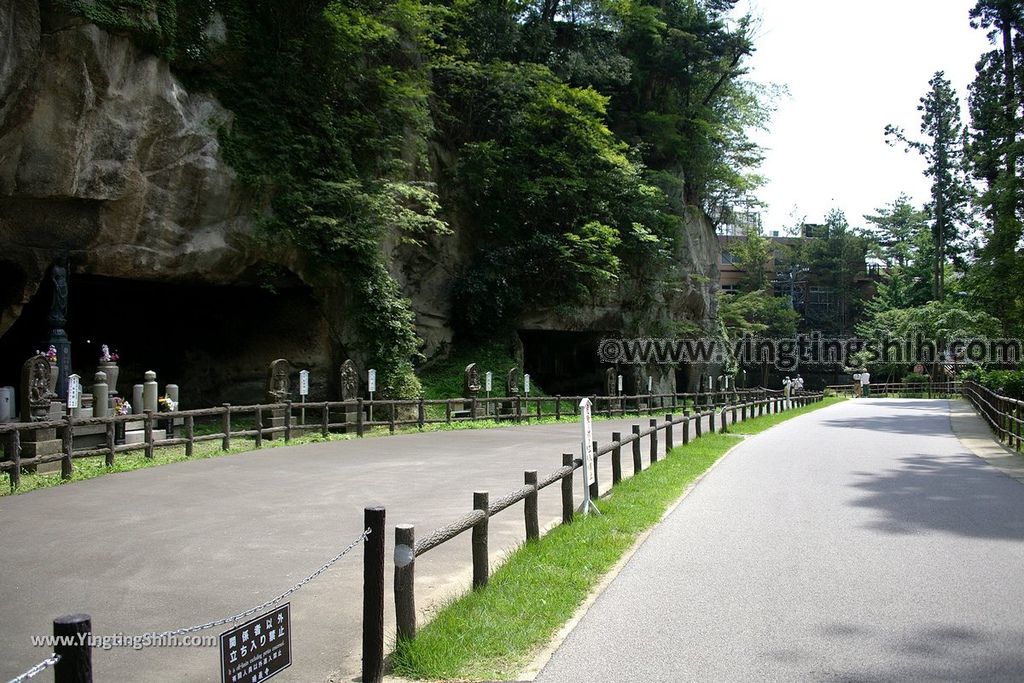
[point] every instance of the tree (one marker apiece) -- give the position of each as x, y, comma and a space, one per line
994, 152
898, 226
944, 158
754, 253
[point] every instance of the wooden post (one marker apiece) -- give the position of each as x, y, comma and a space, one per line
616, 459
734, 413
225, 443
360, 427
15, 457
325, 419
567, 506
722, 420
653, 424
421, 415
71, 635
595, 491
743, 412
669, 436
148, 432
558, 407
391, 417
109, 460
637, 462
66, 466
190, 435
287, 421
259, 427
540, 410
448, 411
472, 409
697, 417
686, 427
405, 585
530, 515
373, 595
479, 542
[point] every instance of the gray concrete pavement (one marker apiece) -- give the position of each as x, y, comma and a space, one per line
862, 542
182, 544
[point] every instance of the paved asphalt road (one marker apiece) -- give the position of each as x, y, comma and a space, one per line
859, 543
183, 544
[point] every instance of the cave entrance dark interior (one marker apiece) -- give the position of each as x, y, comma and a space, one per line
214, 341
564, 362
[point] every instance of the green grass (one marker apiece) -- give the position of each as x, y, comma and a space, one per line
494, 632
92, 467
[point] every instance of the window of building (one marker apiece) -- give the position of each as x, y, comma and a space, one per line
730, 258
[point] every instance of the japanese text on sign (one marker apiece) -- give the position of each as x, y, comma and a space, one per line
257, 649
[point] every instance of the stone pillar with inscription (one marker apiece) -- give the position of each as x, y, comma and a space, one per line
278, 391
100, 395
349, 389
511, 390
150, 392
36, 399
470, 389
58, 319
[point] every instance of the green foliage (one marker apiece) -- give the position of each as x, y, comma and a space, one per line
936, 320
554, 199
916, 378
1005, 382
754, 252
757, 313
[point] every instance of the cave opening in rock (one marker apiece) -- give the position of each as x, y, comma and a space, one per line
565, 362
214, 341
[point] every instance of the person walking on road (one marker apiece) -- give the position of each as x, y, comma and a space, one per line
865, 383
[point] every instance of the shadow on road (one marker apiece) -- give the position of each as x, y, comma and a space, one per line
954, 493
938, 652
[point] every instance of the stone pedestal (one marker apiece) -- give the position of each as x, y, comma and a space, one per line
149, 393
137, 399
271, 419
36, 442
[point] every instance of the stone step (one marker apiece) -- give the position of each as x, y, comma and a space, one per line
139, 435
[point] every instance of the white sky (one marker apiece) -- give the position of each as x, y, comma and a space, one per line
852, 67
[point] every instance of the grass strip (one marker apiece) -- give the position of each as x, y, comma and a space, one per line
491, 634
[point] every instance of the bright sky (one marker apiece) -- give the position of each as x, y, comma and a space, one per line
851, 68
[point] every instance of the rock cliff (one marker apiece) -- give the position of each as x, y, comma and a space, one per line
106, 156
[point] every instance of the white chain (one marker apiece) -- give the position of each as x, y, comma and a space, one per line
241, 615
37, 669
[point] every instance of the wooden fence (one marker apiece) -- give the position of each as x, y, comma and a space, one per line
186, 428
407, 548
1003, 414
925, 389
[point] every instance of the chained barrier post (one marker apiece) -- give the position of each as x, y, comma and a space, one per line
405, 574
373, 595
72, 647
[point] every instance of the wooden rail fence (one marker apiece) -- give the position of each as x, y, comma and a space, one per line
408, 548
186, 428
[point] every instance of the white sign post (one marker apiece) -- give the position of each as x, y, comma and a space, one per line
526, 384
488, 376
371, 386
618, 384
587, 449
74, 392
650, 384
303, 392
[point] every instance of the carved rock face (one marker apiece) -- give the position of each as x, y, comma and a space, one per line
278, 384
349, 381
35, 389
471, 381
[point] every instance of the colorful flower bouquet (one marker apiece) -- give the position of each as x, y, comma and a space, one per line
167, 404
